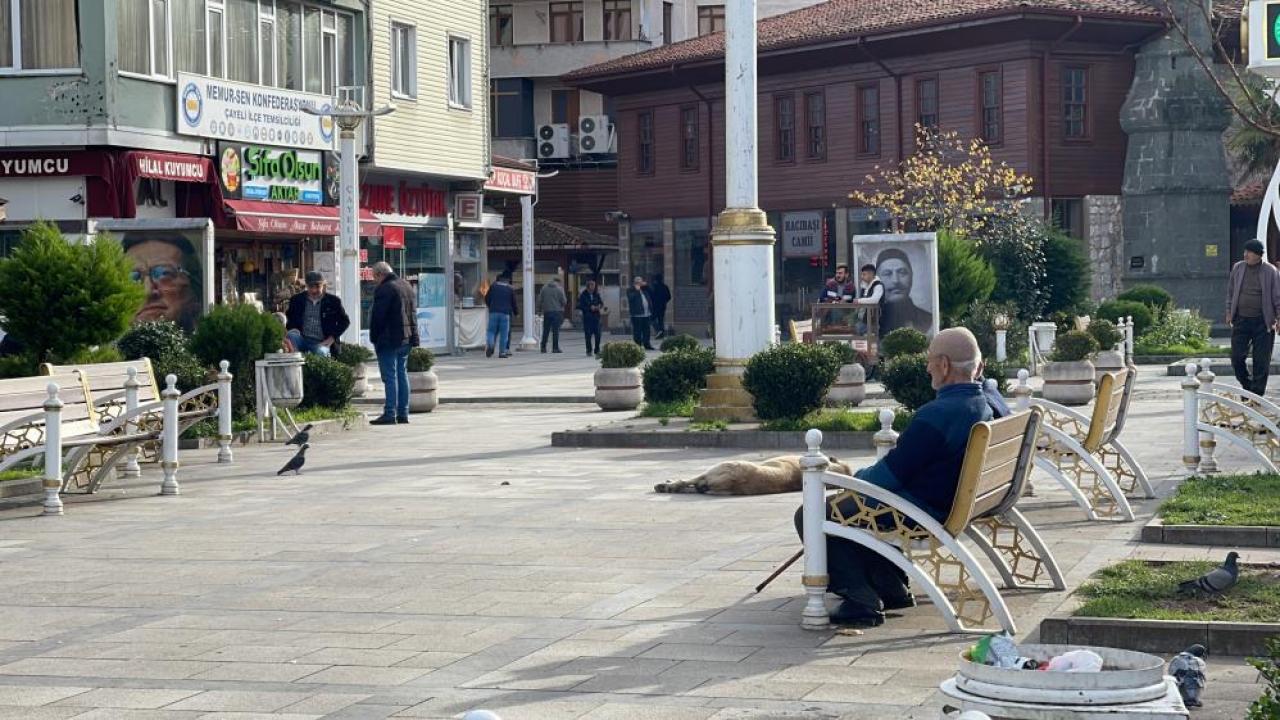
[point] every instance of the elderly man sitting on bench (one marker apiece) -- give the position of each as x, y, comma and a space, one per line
924, 468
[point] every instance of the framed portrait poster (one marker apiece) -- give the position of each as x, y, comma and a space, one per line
173, 260
907, 265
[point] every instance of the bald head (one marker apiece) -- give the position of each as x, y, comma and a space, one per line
954, 357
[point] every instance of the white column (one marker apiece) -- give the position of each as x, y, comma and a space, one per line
1208, 446
349, 235
131, 386
52, 451
740, 104
169, 455
528, 342
224, 412
885, 438
1190, 420
815, 579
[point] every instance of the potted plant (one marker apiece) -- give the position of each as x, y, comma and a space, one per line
422, 381
619, 383
355, 356
1068, 376
850, 386
1109, 358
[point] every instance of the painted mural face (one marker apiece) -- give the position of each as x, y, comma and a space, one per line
159, 266
896, 276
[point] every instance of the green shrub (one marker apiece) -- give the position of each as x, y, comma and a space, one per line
980, 318
621, 355
326, 383
352, 354
1004, 373
1063, 321
903, 341
93, 356
59, 299
16, 366
1143, 317
168, 348
679, 342
420, 360
1153, 296
906, 377
1015, 247
240, 335
1074, 346
790, 381
964, 276
1068, 277
843, 352
678, 375
1267, 706
1179, 329
1105, 333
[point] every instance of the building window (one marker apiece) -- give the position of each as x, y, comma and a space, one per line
815, 120
869, 119
566, 107
617, 19
404, 70
191, 52
267, 42
42, 34
143, 30
1067, 214
710, 19
667, 22
501, 26
566, 22
511, 108
644, 133
1075, 103
784, 124
459, 72
217, 52
992, 92
927, 103
690, 148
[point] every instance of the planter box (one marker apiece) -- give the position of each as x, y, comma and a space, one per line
1160, 636
1215, 535
850, 388
1068, 383
618, 388
733, 439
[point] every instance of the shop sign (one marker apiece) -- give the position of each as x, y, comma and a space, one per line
271, 174
393, 237
467, 207
520, 182
50, 164
802, 234
176, 168
247, 113
403, 199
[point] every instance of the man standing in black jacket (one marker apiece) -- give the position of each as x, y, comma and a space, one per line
661, 296
393, 329
640, 304
316, 319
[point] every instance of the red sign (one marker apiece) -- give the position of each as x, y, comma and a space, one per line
393, 237
364, 254
52, 164
403, 200
166, 166
466, 207
289, 219
521, 182
366, 274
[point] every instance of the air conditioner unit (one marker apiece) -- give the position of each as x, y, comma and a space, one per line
553, 141
595, 135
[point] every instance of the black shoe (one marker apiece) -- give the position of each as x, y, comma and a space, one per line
556, 350
404, 420
488, 351
900, 603
504, 355
650, 347
857, 615
544, 351
383, 420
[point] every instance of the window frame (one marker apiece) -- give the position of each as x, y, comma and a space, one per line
981, 105
712, 14
690, 162
778, 130
15, 45
861, 118
646, 152
620, 7
153, 76
809, 127
211, 7
921, 82
1085, 125
498, 12
571, 13
467, 101
400, 76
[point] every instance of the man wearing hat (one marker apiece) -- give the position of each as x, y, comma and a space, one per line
316, 319
1253, 307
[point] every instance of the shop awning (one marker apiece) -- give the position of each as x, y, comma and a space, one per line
295, 219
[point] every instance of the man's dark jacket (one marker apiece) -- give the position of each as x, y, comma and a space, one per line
635, 305
333, 318
501, 298
393, 321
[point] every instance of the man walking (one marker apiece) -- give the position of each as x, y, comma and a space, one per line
592, 306
1253, 306
315, 318
393, 329
551, 302
661, 296
640, 305
501, 301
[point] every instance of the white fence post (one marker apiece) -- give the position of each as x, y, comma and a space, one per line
131, 386
1190, 418
1002, 352
885, 439
52, 451
1022, 393
815, 578
1208, 446
224, 413
1128, 339
169, 462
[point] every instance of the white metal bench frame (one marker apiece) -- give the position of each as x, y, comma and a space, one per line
1215, 412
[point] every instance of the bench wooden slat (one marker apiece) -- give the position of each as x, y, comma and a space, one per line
1106, 409
990, 469
107, 378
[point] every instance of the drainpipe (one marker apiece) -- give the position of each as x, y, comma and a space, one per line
1044, 111
897, 91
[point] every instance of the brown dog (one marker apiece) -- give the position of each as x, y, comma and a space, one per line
743, 477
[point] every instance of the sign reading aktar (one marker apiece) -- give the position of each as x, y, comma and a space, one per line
240, 112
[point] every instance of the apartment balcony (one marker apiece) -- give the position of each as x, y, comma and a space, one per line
556, 59
515, 148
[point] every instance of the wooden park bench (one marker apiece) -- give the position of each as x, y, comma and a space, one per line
1085, 455
1214, 412
996, 463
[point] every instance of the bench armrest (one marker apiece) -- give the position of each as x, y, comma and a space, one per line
914, 512
115, 425
1053, 408
28, 425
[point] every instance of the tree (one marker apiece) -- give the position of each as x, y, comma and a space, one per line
1069, 277
1015, 247
58, 299
947, 183
964, 277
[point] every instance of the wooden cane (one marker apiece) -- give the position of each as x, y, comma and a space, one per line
790, 561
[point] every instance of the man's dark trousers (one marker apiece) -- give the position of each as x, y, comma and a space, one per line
640, 327
551, 322
1246, 332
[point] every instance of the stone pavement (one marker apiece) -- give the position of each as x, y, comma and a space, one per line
460, 562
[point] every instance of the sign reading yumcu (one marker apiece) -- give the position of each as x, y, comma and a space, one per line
226, 110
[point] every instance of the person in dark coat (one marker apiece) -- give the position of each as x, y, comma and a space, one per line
501, 301
640, 304
315, 318
661, 296
591, 305
1253, 313
393, 329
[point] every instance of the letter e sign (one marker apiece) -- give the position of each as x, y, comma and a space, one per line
466, 207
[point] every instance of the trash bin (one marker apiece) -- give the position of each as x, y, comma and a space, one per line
282, 376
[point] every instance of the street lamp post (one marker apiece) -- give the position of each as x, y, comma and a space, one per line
348, 113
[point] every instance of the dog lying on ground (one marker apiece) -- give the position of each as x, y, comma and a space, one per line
781, 474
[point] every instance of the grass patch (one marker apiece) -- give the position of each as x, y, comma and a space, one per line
1138, 589
208, 427
682, 408
10, 475
710, 426
1182, 351
1225, 500
838, 420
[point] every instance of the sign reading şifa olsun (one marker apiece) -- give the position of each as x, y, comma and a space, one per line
246, 113
252, 172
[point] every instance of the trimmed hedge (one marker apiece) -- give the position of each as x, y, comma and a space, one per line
621, 355
790, 381
326, 383
906, 377
677, 375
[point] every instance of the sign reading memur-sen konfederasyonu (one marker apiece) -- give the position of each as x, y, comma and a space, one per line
241, 112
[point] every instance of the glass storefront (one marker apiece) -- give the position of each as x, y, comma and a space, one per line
646, 248
691, 285
422, 252
804, 258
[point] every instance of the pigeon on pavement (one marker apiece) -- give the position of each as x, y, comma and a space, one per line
295, 462
1217, 580
1187, 669
302, 437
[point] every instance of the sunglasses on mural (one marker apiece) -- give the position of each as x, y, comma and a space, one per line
159, 274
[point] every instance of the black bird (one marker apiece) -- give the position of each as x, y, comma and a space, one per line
302, 437
295, 462
1217, 580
